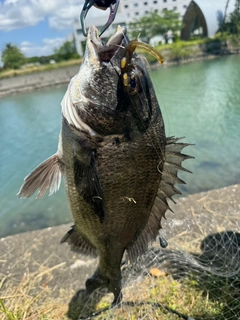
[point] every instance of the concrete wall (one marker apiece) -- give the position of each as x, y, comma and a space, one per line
37, 80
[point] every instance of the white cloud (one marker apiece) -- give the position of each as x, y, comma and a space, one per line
30, 49
60, 14
16, 14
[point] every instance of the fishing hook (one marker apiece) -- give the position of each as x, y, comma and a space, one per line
88, 4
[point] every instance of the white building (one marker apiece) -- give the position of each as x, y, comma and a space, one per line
138, 8
128, 11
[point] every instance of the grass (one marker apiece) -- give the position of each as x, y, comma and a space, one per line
31, 300
35, 68
152, 295
181, 50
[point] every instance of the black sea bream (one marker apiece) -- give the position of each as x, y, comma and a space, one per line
118, 166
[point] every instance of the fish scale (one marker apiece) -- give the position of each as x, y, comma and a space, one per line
118, 166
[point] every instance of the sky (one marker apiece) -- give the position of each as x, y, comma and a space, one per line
37, 27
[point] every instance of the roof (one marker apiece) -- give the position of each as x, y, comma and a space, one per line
213, 11
209, 12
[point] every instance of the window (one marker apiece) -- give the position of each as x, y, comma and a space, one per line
174, 8
155, 2
126, 6
184, 6
135, 4
146, 12
79, 31
145, 3
136, 13
164, 0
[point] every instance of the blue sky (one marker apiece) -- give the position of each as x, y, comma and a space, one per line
37, 26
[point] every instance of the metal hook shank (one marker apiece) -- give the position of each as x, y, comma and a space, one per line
112, 15
87, 5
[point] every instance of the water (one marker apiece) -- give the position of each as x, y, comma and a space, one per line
200, 101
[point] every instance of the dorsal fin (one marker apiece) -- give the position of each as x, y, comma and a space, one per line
172, 163
46, 176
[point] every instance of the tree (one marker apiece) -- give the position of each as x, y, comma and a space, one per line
66, 52
153, 24
170, 22
12, 57
145, 26
233, 24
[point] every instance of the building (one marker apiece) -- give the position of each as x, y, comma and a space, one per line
204, 17
127, 12
138, 8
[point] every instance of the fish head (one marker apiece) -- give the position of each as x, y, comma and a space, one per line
111, 88
100, 69
111, 63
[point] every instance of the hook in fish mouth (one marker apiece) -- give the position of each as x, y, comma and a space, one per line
105, 52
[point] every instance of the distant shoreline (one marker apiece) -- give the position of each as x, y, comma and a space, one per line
56, 77
37, 80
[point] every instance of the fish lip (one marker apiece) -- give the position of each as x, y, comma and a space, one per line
104, 52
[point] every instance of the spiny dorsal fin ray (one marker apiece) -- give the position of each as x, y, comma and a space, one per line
172, 163
172, 177
179, 155
46, 176
78, 243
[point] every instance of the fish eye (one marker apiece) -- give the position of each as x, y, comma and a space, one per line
133, 82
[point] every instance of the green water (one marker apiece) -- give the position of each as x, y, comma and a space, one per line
199, 101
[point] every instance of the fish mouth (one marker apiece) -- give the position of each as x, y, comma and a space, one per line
104, 52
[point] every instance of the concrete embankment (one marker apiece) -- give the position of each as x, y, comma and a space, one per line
29, 82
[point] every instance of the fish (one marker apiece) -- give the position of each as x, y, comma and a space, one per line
118, 166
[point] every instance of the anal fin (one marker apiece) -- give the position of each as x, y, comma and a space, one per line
46, 176
78, 243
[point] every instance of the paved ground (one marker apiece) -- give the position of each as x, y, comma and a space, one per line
40, 253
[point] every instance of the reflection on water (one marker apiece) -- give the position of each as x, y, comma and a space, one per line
199, 101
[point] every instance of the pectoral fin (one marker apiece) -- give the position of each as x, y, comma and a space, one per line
46, 176
88, 185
